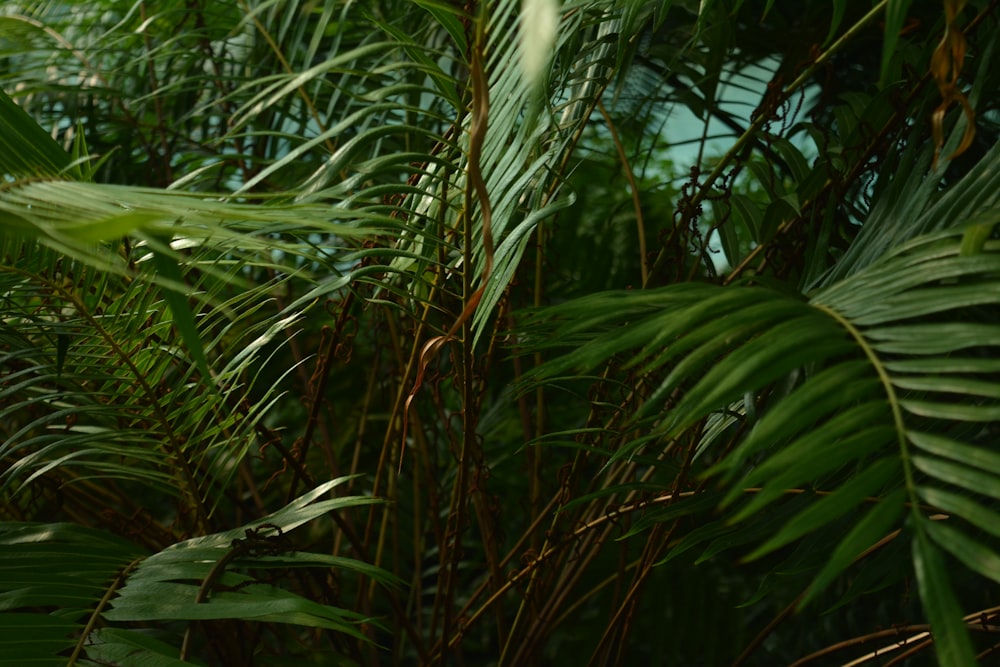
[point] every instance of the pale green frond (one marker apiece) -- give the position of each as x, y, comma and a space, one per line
75, 571
71, 413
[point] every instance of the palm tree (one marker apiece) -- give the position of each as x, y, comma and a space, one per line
392, 332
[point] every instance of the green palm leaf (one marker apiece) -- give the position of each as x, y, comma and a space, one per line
71, 414
899, 367
69, 568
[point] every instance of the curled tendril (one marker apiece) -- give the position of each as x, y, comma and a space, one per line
946, 66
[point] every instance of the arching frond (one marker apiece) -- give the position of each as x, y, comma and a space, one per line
887, 423
94, 584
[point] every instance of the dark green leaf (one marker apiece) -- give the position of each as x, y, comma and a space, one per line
951, 638
975, 555
960, 475
983, 518
895, 17
822, 512
26, 150
980, 458
183, 318
129, 648
876, 525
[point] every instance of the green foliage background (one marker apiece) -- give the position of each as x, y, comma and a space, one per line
299, 366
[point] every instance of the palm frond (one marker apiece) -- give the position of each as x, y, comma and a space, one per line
69, 410
84, 575
888, 419
216, 208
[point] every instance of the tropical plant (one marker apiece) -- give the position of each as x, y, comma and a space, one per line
424, 281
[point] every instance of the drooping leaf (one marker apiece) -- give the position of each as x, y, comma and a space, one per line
845, 499
876, 525
26, 150
951, 638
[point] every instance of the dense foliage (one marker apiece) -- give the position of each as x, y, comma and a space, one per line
499, 332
